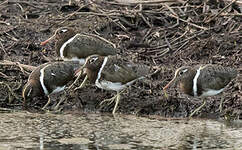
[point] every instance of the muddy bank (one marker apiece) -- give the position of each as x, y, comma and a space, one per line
149, 33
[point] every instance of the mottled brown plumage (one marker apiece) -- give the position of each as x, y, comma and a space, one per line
212, 77
54, 77
215, 77
112, 73
80, 46
115, 69
202, 80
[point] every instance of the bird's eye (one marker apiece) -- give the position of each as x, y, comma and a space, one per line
93, 60
182, 72
63, 31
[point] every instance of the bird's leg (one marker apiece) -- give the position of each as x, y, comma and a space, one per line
196, 110
109, 100
62, 99
78, 77
166, 95
82, 84
46, 103
221, 104
116, 104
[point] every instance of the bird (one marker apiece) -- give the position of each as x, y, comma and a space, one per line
202, 81
71, 45
113, 73
74, 46
49, 78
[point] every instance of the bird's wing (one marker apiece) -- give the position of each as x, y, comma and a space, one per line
59, 74
89, 45
215, 77
118, 70
37, 71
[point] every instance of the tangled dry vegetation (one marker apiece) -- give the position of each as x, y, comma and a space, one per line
165, 34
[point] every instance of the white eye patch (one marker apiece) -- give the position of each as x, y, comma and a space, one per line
63, 30
185, 70
93, 59
179, 73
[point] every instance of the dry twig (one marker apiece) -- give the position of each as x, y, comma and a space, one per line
192, 24
151, 2
21, 66
222, 10
10, 93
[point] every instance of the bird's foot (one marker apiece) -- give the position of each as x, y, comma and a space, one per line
62, 99
196, 110
220, 109
109, 100
78, 77
57, 110
48, 102
44, 110
82, 84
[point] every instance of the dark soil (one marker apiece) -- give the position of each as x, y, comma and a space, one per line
149, 33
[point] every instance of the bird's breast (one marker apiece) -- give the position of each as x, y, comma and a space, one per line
186, 88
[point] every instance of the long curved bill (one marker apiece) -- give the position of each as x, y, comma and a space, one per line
169, 84
24, 102
79, 71
172, 82
46, 41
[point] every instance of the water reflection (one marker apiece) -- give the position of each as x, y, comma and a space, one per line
21, 130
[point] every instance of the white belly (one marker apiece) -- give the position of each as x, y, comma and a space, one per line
58, 89
115, 86
108, 85
211, 92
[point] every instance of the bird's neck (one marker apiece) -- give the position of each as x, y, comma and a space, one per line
92, 75
60, 42
36, 83
37, 88
186, 83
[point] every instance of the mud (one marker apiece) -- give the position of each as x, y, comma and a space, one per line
152, 36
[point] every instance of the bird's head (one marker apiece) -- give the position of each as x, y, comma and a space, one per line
63, 34
180, 74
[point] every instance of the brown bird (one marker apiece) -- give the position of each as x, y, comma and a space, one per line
74, 46
112, 73
49, 78
202, 81
70, 45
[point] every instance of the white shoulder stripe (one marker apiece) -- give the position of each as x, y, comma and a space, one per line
195, 82
100, 71
64, 45
41, 78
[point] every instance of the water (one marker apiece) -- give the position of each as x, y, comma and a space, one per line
23, 130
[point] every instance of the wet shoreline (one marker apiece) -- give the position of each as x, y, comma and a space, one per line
23, 130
